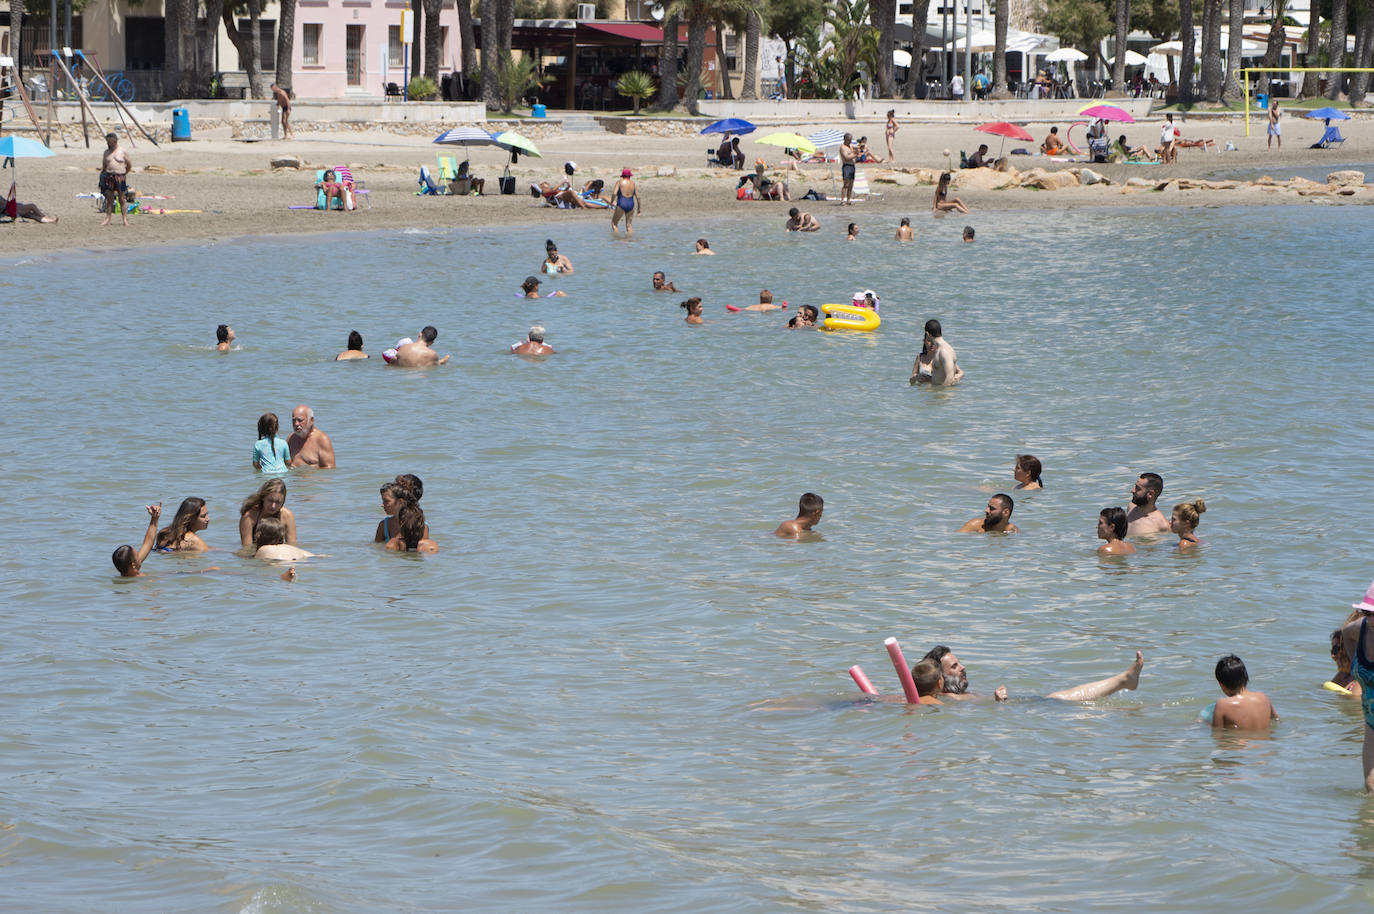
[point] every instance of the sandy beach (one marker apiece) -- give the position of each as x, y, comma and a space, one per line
235, 191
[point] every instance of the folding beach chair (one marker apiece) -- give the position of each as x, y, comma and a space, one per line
427, 186
1331, 137
448, 168
355, 186
345, 203
861, 190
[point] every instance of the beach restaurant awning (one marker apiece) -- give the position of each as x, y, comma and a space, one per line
630, 31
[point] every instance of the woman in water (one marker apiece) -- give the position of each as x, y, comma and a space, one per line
180, 535
269, 538
1027, 472
1359, 646
1343, 676
853, 233
904, 232
925, 362
354, 350
270, 453
1184, 522
703, 247
943, 202
1111, 526
393, 496
268, 501
530, 289
806, 316
693, 308
555, 262
413, 532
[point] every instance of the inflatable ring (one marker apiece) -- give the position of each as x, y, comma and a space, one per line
851, 318
1068, 136
1339, 690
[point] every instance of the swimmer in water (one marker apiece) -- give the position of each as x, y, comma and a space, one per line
555, 262
269, 540
354, 350
809, 510
1359, 646
904, 232
180, 535
661, 283
128, 561
1111, 526
1344, 675
224, 337
1241, 709
968, 234
806, 316
419, 353
704, 247
954, 684
943, 366
1143, 517
393, 496
530, 289
413, 532
1184, 522
267, 501
798, 221
926, 676
534, 343
1027, 472
997, 518
765, 304
693, 308
853, 232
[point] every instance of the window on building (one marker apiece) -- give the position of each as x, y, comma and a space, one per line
310, 43
731, 51
267, 42
143, 43
639, 9
395, 50
443, 47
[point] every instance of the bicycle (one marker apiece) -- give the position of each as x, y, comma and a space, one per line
121, 84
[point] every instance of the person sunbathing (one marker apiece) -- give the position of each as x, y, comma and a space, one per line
16, 210
332, 188
1052, 146
563, 195
945, 203
1126, 152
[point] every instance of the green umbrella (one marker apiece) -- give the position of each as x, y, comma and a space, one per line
514, 142
788, 141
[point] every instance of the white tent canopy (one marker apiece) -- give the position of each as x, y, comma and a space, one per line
1066, 55
985, 42
1132, 59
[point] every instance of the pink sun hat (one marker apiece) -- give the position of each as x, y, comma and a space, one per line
1367, 604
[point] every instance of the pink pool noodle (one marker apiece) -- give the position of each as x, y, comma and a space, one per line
903, 671
862, 681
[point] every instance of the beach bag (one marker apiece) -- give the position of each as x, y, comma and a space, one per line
812, 195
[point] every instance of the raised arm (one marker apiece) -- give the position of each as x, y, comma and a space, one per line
150, 535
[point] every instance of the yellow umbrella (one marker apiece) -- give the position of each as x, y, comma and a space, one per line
788, 141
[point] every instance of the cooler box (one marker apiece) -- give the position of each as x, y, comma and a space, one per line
181, 125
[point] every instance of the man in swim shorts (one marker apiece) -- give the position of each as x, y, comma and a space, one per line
997, 518
419, 354
955, 680
1052, 146
1241, 709
848, 156
283, 102
809, 510
1142, 517
798, 221
534, 343
980, 158
624, 202
1274, 125
309, 445
115, 166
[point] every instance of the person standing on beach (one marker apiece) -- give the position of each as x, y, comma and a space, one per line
284, 103
1167, 154
309, 445
115, 166
1274, 125
1143, 518
848, 156
892, 129
624, 202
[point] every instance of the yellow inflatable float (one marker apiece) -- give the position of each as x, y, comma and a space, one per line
850, 317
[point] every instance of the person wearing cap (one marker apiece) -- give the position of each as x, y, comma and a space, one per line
530, 289
1359, 645
534, 343
625, 202
115, 166
1143, 518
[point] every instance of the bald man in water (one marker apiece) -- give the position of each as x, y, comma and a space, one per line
310, 447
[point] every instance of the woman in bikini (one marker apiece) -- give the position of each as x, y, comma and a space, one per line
1359, 645
891, 133
943, 202
412, 534
1026, 472
555, 262
693, 308
268, 501
625, 203
180, 535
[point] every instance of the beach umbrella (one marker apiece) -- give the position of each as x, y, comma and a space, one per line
1066, 55
18, 147
729, 125
1132, 59
824, 139
1107, 113
1317, 114
901, 58
788, 141
1004, 129
465, 136
514, 142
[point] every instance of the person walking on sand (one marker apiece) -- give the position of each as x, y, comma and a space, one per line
115, 166
892, 129
284, 103
848, 156
1274, 125
625, 202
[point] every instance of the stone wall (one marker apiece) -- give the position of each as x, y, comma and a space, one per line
652, 126
539, 128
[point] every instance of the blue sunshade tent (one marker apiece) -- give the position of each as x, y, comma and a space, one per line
729, 125
1327, 114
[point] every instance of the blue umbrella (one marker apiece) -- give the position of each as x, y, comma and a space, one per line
730, 125
17, 147
463, 136
1327, 114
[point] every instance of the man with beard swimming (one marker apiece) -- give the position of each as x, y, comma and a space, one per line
955, 679
1143, 518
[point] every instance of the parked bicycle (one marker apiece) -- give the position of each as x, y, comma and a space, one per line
121, 84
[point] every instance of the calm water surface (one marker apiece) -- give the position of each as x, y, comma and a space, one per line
613, 689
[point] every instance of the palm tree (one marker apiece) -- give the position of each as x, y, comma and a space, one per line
1335, 48
249, 46
1364, 50
1211, 50
1235, 20
1123, 25
286, 41
467, 46
1273, 49
920, 10
433, 47
179, 25
636, 85
498, 18
853, 42
1186, 58
667, 64
1309, 80
1001, 14
753, 32
883, 15
696, 51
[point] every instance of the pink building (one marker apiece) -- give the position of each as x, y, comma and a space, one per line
354, 47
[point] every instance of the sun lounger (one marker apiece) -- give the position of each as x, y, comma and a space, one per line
358, 190
347, 202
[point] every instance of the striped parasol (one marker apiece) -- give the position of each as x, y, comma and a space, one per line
826, 138
463, 136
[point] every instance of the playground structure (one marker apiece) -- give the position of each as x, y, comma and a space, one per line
84, 81
1246, 71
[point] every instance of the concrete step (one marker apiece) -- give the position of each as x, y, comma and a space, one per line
580, 123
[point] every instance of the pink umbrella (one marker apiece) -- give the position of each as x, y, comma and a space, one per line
1108, 113
1005, 129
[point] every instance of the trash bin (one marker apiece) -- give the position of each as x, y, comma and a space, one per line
1262, 99
181, 125
538, 110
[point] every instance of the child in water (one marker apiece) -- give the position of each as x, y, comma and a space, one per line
270, 453
1241, 709
128, 561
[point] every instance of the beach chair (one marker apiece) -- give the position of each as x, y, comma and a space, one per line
357, 190
347, 203
861, 189
1331, 137
448, 168
427, 186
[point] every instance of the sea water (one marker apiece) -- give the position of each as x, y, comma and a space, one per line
613, 688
